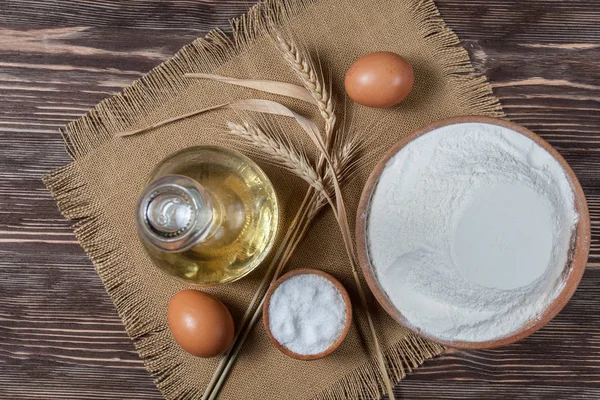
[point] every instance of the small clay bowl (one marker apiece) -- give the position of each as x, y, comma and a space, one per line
340, 339
572, 274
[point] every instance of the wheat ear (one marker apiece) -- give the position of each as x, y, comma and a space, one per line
278, 152
306, 71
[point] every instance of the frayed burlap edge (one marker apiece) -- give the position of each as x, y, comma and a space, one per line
365, 382
122, 111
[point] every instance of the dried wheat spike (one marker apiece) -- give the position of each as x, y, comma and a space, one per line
303, 66
277, 152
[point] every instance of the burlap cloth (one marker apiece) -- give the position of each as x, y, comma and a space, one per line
100, 187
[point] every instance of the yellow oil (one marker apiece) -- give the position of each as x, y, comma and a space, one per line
245, 216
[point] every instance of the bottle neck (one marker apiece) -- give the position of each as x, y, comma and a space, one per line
174, 213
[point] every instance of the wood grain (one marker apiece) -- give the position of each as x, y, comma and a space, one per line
61, 337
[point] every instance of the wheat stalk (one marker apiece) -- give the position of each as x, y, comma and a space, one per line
331, 148
301, 63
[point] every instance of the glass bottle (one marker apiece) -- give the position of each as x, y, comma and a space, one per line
208, 216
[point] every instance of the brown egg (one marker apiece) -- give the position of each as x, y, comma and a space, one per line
200, 323
380, 79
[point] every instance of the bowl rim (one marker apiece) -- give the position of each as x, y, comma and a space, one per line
579, 250
347, 302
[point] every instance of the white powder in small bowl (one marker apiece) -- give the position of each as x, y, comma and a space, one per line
469, 231
307, 314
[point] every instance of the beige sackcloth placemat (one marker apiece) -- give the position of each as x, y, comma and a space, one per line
100, 187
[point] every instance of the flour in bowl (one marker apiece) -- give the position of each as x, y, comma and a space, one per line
469, 231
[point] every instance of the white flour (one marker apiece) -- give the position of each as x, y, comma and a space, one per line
469, 231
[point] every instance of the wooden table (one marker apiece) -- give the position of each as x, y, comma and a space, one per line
60, 335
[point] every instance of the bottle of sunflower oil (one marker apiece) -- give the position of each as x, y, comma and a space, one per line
208, 216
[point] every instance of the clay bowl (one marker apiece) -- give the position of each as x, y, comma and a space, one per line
335, 344
579, 250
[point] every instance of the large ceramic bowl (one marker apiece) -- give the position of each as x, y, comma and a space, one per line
572, 274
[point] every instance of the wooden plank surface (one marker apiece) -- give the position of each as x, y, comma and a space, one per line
60, 335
